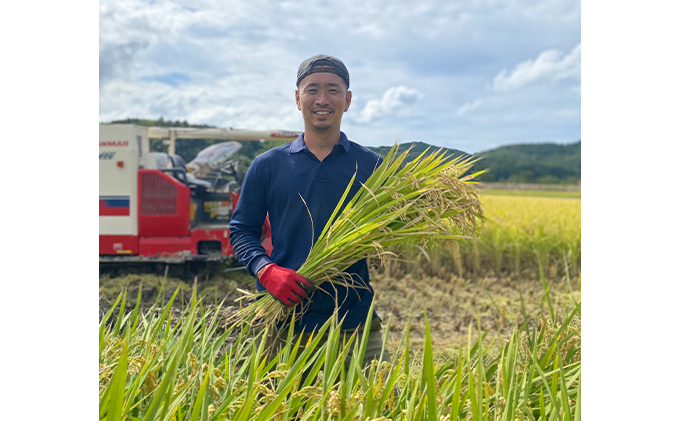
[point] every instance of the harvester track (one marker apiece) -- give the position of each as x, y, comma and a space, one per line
186, 271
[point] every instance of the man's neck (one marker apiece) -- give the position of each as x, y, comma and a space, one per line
321, 143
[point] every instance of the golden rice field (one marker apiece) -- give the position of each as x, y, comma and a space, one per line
459, 280
521, 230
484, 329
497, 276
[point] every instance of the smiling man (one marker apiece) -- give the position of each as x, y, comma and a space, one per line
316, 168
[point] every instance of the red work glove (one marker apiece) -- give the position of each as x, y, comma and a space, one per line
285, 284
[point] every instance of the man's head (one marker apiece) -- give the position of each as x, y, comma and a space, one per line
323, 64
322, 94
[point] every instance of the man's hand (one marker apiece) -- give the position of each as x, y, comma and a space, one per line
285, 284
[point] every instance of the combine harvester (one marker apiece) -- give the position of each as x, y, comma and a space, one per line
156, 210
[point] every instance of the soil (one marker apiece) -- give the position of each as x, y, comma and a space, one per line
453, 304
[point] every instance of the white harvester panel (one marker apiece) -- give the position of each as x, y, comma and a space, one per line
122, 149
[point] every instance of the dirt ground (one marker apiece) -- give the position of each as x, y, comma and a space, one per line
452, 303
455, 304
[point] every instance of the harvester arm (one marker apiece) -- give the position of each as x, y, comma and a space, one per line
173, 133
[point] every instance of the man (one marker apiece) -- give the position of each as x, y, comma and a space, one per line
316, 167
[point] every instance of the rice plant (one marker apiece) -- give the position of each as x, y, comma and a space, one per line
517, 232
427, 199
521, 231
154, 366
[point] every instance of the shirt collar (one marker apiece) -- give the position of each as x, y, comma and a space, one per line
299, 144
344, 142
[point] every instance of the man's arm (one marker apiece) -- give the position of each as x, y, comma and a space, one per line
245, 231
247, 220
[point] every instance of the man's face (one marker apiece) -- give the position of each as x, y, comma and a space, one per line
322, 98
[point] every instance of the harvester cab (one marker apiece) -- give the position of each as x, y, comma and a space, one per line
154, 207
214, 158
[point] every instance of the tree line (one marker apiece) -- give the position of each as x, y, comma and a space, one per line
550, 163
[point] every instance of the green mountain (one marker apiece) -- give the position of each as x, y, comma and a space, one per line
532, 163
526, 163
159, 123
416, 149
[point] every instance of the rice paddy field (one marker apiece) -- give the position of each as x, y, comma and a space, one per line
524, 232
483, 329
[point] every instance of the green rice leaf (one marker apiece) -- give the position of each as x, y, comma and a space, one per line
428, 378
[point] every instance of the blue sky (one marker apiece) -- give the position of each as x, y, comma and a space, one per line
470, 75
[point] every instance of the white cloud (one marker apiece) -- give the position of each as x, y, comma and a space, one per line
469, 106
395, 101
235, 66
549, 64
216, 104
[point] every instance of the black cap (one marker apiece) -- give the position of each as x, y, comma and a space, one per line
322, 64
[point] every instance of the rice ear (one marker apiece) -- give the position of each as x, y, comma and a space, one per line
426, 199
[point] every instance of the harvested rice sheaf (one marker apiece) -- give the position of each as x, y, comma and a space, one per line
428, 199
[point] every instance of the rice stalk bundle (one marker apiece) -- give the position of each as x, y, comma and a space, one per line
399, 205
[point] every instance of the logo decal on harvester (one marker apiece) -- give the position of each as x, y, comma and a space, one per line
113, 143
114, 205
107, 155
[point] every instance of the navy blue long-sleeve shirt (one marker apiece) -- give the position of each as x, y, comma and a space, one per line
273, 185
